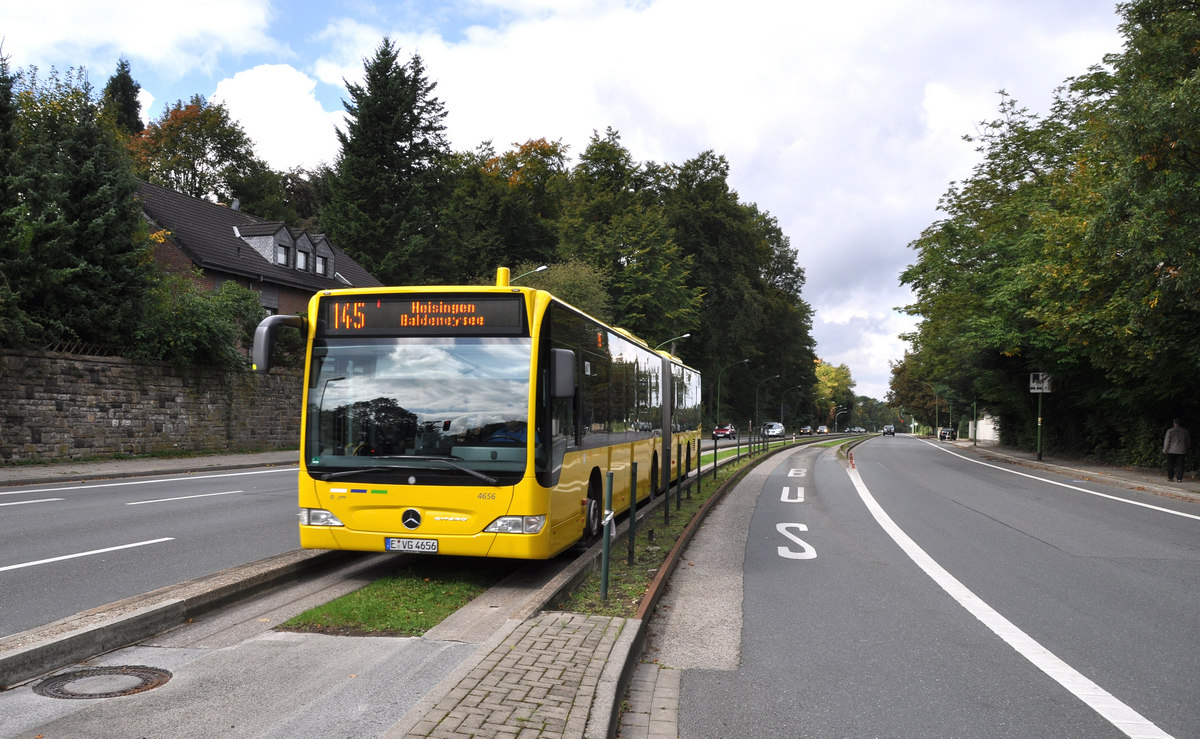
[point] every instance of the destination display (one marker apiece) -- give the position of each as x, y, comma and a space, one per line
443, 315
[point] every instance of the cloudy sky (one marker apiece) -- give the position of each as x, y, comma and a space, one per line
843, 120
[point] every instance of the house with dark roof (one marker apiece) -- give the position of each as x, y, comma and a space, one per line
285, 266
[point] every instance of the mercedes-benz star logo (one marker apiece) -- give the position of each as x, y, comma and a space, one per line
411, 519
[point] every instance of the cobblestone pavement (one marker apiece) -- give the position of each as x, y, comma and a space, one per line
540, 681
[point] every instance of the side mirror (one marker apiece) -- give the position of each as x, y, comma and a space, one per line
264, 339
562, 373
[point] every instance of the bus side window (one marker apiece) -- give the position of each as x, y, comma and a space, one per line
562, 373
558, 399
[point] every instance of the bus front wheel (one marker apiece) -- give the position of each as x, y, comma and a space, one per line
593, 526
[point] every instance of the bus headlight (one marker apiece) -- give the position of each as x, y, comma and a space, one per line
318, 517
516, 525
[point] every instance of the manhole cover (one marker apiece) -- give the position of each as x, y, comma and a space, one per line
102, 682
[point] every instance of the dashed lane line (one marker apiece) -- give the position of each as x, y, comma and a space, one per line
6, 568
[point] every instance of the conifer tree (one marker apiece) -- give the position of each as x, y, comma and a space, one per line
83, 270
390, 175
13, 322
120, 103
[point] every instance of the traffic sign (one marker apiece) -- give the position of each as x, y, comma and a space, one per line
1039, 382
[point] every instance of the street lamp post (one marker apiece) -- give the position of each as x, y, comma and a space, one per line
835, 418
756, 387
672, 342
542, 268
743, 361
781, 401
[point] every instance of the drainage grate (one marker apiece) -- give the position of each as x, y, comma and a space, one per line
102, 682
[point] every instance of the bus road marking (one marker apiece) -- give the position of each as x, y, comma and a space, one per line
806, 551
786, 496
185, 497
6, 568
1092, 695
798, 472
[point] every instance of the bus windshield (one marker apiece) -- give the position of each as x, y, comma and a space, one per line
455, 405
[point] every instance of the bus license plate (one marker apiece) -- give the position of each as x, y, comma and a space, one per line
423, 546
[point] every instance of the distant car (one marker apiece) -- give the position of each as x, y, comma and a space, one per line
806, 430
822, 429
724, 431
773, 429
947, 434
889, 430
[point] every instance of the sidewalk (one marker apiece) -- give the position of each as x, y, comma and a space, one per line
60, 472
1135, 478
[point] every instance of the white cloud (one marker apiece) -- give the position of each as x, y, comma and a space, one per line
146, 100
175, 37
344, 43
275, 105
864, 334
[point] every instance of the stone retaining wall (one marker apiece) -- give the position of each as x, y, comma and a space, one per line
67, 406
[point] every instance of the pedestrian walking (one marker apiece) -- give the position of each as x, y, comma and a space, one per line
1175, 446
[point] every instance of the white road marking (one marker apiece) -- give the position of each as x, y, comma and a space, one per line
1099, 700
806, 551
184, 497
787, 497
23, 502
6, 568
155, 481
1160, 509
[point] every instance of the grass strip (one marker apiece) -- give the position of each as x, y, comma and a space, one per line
415, 598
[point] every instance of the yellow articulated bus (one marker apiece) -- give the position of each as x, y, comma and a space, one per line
476, 421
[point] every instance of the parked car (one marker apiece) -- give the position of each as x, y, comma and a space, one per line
889, 430
724, 431
773, 428
822, 429
806, 430
947, 434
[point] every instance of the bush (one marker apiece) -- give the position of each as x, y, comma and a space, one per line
189, 327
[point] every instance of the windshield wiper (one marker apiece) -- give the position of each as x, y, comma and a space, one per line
446, 461
388, 468
350, 472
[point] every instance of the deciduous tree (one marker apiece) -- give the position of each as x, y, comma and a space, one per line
614, 222
196, 149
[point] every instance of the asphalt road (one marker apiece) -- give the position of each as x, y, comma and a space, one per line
926, 593
69, 548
